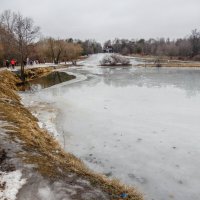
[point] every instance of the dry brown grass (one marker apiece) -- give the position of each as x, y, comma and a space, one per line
8, 82
172, 64
37, 72
9, 79
43, 150
165, 61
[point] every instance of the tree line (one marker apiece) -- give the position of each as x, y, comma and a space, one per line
182, 48
20, 39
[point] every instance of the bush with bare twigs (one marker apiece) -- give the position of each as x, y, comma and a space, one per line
114, 60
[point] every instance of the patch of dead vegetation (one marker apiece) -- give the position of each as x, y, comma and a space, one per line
2, 186
172, 64
165, 61
37, 72
43, 151
9, 79
4, 165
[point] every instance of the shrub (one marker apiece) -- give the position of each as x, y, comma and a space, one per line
196, 58
114, 60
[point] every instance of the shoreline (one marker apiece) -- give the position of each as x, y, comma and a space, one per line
41, 150
154, 61
169, 65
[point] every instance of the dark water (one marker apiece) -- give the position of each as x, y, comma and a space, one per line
48, 81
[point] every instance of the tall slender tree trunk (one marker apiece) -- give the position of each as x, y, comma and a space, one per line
22, 68
22, 72
21, 49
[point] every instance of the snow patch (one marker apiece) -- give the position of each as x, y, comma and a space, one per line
10, 183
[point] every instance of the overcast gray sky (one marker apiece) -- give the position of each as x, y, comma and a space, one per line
109, 19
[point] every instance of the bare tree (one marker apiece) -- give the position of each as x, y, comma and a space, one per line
7, 38
55, 49
8, 45
7, 20
24, 32
71, 52
58, 50
195, 41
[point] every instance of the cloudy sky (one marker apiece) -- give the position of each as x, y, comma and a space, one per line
109, 19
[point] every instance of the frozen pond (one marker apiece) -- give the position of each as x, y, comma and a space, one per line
140, 125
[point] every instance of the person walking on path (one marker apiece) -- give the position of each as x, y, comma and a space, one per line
12, 62
7, 64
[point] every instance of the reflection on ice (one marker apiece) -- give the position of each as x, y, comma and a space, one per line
48, 80
140, 125
186, 79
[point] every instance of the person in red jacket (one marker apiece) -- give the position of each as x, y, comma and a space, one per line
13, 62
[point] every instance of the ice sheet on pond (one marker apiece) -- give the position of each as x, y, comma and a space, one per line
140, 125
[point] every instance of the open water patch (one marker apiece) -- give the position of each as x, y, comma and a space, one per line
49, 80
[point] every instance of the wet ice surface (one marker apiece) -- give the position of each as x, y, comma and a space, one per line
140, 125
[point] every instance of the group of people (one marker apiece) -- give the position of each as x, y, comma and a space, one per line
11, 63
30, 62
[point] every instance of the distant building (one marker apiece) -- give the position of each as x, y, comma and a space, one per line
108, 49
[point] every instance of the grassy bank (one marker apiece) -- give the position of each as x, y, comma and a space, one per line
165, 61
171, 64
42, 149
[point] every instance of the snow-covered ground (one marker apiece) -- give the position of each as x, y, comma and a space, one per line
28, 66
12, 182
140, 125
